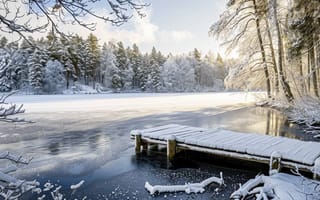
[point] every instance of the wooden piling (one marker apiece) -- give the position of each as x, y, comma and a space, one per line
138, 143
275, 163
316, 169
171, 147
145, 146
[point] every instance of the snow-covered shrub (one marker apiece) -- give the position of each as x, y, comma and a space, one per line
306, 110
79, 88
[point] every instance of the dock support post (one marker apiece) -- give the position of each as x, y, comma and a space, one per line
171, 147
138, 143
145, 146
316, 169
275, 163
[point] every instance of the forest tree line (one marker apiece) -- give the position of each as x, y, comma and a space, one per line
52, 64
278, 43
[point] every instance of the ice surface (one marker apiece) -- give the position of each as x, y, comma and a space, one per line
115, 102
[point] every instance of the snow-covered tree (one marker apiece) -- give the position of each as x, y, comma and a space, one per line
178, 75
36, 62
54, 78
144, 72
122, 59
154, 76
196, 64
117, 82
93, 58
136, 65
4, 79
108, 67
11, 67
206, 75
65, 56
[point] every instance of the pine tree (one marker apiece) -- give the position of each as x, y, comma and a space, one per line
154, 70
197, 54
161, 58
36, 63
12, 62
155, 76
119, 78
25, 50
93, 58
121, 56
65, 57
4, 79
144, 72
77, 46
108, 68
136, 62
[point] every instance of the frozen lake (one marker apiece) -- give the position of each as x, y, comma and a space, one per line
86, 137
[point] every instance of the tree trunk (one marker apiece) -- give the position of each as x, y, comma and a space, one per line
68, 77
263, 54
273, 57
313, 69
285, 86
301, 81
309, 75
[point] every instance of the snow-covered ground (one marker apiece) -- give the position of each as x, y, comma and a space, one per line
144, 101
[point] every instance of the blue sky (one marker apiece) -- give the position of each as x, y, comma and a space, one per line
191, 16
176, 26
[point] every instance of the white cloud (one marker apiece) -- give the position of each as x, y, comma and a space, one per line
138, 30
177, 35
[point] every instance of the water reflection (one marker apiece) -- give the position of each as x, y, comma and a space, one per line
259, 120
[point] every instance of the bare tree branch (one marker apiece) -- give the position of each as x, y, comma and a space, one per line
18, 16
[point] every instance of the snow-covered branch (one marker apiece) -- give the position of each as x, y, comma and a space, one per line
10, 186
10, 109
279, 186
188, 187
17, 16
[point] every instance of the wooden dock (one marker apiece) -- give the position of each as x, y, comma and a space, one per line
275, 151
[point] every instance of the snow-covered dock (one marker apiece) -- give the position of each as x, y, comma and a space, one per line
287, 152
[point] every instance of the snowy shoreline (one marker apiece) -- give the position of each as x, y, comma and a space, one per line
304, 112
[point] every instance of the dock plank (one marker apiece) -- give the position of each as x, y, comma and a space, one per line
244, 144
